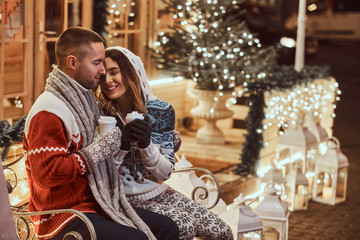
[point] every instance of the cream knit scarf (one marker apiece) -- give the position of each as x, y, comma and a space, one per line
104, 181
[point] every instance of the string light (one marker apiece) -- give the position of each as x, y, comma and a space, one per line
18, 102
282, 109
117, 20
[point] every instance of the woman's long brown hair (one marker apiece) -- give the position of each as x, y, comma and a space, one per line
131, 82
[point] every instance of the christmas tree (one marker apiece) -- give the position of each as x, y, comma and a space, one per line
211, 44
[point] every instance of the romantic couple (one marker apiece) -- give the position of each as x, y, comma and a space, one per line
70, 165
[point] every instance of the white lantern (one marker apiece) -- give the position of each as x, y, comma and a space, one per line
250, 226
297, 143
331, 171
322, 137
320, 134
242, 221
314, 127
274, 214
274, 175
297, 189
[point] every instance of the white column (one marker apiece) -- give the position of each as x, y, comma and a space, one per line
300, 38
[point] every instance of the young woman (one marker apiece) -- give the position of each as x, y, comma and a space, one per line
144, 167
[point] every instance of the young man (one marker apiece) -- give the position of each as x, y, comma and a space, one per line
69, 165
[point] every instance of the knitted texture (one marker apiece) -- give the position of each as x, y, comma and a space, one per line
81, 103
104, 181
143, 176
55, 172
101, 148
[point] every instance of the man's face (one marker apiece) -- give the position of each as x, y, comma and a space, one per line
91, 67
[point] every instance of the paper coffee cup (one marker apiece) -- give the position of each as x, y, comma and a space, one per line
134, 115
106, 123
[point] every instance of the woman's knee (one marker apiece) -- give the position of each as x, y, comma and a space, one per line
187, 225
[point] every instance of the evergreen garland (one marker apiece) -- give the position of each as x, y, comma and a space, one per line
282, 78
100, 15
285, 77
10, 134
253, 139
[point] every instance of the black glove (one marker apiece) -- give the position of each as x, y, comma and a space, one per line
140, 132
126, 138
177, 141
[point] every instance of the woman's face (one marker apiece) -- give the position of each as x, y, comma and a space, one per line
112, 84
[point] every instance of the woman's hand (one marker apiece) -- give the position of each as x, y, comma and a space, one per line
140, 132
126, 138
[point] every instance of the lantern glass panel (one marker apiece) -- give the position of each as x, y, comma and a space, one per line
297, 200
310, 177
285, 160
341, 183
323, 188
287, 157
270, 233
300, 197
250, 235
311, 156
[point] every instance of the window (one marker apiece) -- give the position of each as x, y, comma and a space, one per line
134, 24
127, 25
16, 41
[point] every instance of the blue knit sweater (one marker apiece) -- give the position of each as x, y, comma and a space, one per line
143, 176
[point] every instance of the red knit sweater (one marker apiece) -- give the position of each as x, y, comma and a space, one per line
56, 174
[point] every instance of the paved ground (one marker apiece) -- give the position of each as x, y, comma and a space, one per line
341, 221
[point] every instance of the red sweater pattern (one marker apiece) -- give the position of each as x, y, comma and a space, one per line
56, 174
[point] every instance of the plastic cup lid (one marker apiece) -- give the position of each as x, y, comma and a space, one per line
134, 115
107, 120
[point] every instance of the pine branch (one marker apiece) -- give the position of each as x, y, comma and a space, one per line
10, 134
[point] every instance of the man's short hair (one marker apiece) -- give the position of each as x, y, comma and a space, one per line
75, 41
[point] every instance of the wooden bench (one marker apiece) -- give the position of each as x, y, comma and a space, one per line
15, 182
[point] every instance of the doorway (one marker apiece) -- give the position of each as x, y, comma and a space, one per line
52, 17
28, 32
